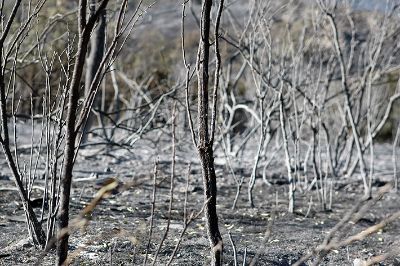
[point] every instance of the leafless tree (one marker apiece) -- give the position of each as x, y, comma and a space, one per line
97, 46
86, 27
206, 128
10, 42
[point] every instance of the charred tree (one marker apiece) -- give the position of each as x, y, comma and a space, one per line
205, 132
85, 30
97, 48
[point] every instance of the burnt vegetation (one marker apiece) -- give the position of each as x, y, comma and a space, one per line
212, 132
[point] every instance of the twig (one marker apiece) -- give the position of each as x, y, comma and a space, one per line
171, 192
234, 249
153, 204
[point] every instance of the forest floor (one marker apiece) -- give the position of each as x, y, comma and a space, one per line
119, 226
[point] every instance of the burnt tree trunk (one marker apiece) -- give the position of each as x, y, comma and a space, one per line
85, 30
210, 194
97, 47
205, 141
69, 152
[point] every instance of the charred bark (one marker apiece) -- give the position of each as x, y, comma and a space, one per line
71, 134
205, 143
210, 195
97, 48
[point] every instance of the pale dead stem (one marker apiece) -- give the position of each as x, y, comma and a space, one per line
333, 240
